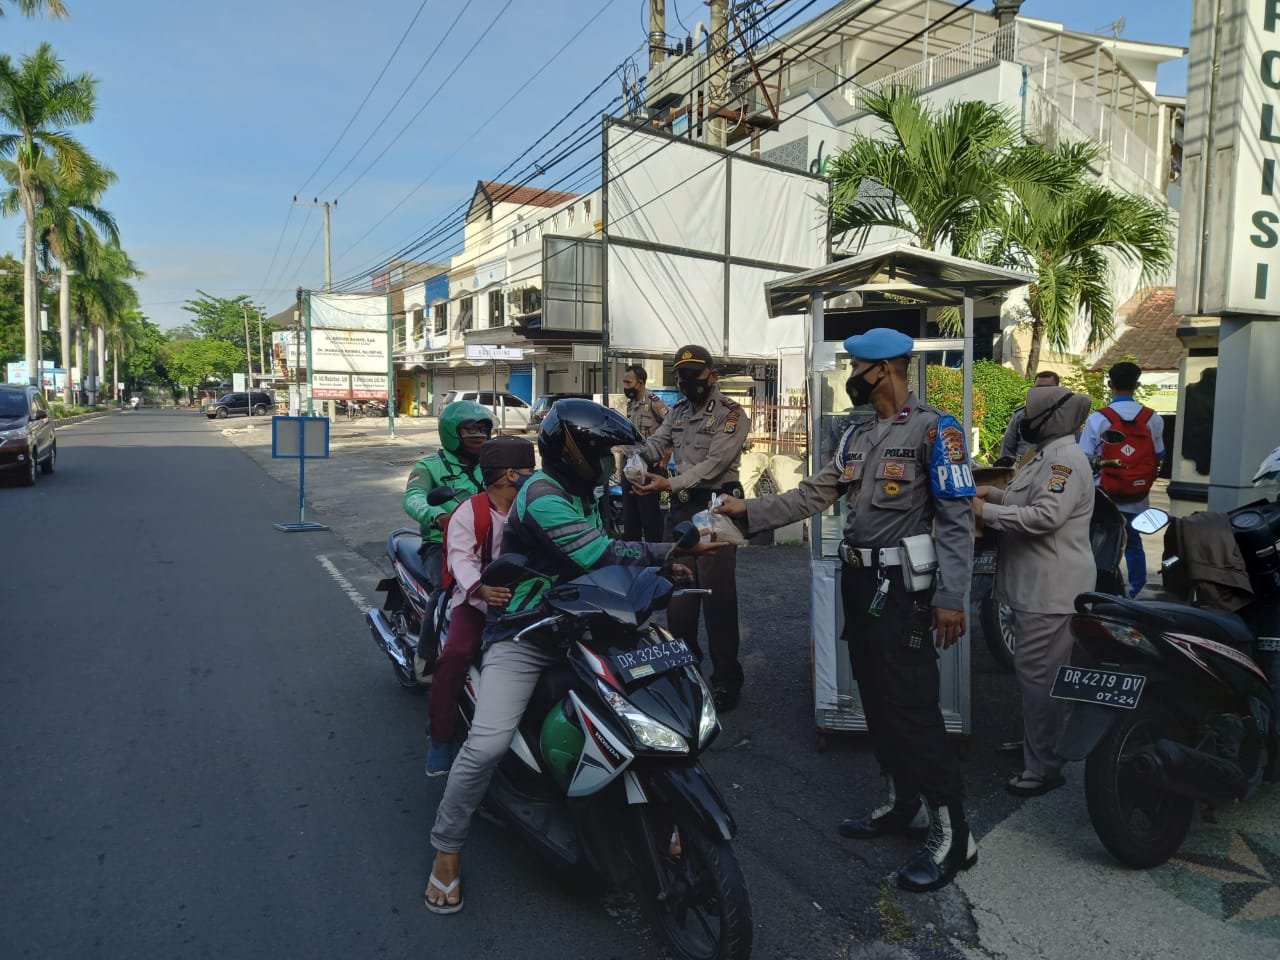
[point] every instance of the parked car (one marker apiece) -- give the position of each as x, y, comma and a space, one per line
542, 406
511, 413
229, 403
27, 439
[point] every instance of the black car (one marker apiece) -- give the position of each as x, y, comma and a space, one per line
27, 439
256, 403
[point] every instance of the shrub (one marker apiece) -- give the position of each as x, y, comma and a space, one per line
997, 393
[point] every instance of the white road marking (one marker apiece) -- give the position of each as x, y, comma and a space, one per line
354, 595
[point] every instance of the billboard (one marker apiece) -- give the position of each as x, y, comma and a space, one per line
692, 235
350, 345
1229, 241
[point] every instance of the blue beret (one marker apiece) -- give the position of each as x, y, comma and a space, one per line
879, 343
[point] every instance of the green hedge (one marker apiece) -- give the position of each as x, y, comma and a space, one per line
60, 411
997, 393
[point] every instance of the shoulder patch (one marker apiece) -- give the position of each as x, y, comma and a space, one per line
1057, 483
731, 421
949, 472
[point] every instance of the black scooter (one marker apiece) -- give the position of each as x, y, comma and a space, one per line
1170, 706
603, 772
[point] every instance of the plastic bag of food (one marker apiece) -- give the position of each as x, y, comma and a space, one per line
716, 526
635, 468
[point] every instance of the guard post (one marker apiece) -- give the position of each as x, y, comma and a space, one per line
301, 439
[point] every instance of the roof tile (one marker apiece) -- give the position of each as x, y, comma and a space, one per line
1151, 332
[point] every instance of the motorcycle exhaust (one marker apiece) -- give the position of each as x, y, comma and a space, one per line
386, 639
1201, 776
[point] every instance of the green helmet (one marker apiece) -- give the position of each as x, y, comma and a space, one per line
454, 416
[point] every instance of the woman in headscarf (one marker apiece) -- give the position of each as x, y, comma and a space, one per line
1045, 562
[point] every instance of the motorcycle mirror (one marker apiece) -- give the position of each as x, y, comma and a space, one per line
686, 535
1112, 436
439, 496
506, 570
1149, 521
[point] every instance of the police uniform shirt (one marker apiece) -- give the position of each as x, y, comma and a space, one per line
904, 477
646, 414
707, 442
1045, 555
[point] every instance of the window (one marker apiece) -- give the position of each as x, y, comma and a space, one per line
511, 400
570, 214
495, 308
571, 284
440, 318
465, 318
485, 398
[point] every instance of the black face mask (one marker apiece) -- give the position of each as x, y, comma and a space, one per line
696, 390
631, 392
859, 388
1029, 430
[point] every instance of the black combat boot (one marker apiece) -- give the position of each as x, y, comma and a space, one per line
949, 849
907, 816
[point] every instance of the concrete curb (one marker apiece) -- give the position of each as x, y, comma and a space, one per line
82, 416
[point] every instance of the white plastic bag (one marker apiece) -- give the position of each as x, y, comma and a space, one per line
635, 468
716, 526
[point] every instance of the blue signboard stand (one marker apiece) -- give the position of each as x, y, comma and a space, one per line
301, 439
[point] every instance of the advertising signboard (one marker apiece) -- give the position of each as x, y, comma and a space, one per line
331, 386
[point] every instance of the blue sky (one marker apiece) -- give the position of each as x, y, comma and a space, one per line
214, 115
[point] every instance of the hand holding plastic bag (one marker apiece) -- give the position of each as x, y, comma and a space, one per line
635, 469
716, 527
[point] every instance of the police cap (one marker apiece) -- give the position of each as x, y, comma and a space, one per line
879, 343
692, 358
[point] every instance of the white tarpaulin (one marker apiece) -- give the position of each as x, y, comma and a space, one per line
693, 234
350, 311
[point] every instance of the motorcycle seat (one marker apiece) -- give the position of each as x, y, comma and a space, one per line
1217, 625
407, 553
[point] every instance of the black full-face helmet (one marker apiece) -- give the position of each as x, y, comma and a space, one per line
577, 441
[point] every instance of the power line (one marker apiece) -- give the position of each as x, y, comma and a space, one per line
448, 224
275, 253
444, 83
521, 88
840, 82
381, 73
426, 63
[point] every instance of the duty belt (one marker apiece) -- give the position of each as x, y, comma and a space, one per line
859, 557
703, 494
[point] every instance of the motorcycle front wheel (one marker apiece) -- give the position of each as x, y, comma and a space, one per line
1140, 825
706, 912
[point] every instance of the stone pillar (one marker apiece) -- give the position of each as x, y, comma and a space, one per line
1247, 425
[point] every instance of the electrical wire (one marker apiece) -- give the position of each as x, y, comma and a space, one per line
841, 81
404, 35
521, 88
444, 83
275, 253
416, 246
403, 93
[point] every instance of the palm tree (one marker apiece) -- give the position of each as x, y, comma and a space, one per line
1069, 239
29, 8
942, 177
69, 230
107, 297
37, 101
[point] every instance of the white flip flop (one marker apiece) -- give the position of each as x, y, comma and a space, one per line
443, 908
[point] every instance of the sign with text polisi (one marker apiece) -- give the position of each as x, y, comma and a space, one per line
1229, 243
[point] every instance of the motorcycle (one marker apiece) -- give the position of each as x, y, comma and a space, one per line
410, 599
1170, 705
1106, 538
603, 773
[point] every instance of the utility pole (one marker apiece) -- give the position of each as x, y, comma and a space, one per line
64, 325
657, 33
718, 72
248, 358
262, 353
328, 247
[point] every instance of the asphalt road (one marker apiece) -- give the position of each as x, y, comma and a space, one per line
201, 757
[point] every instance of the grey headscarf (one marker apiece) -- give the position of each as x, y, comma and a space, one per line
1056, 412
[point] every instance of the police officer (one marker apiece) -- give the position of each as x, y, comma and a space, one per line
641, 516
706, 431
906, 474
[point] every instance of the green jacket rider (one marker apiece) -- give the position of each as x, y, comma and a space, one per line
464, 427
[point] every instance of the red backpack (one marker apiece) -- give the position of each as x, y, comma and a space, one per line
1130, 464
484, 525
